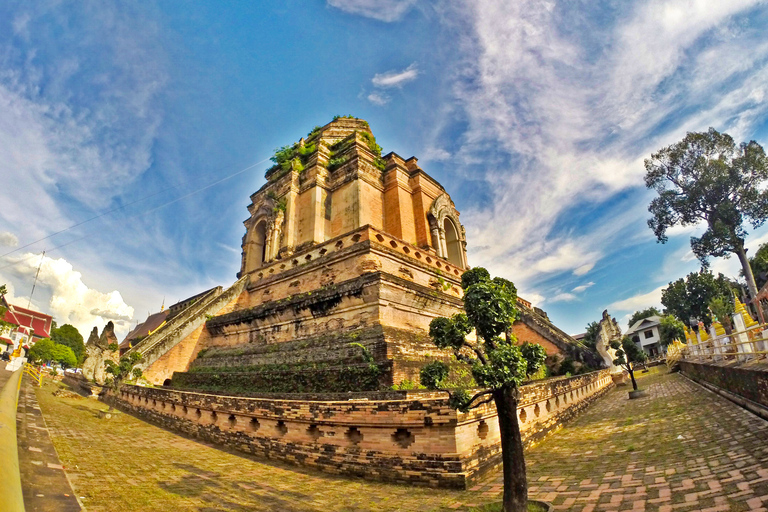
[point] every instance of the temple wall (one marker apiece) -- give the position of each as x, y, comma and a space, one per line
417, 439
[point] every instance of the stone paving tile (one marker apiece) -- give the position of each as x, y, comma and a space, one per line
681, 449
44, 483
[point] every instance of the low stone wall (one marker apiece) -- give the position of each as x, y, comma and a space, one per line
747, 386
417, 439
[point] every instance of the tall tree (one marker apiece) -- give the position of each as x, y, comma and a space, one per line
670, 329
628, 355
707, 178
498, 365
645, 313
759, 265
69, 335
590, 337
691, 297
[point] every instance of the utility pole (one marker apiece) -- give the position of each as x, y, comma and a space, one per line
35, 282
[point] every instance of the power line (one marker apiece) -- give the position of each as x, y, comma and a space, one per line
210, 185
241, 171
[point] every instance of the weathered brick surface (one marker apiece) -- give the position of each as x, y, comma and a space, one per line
418, 439
749, 382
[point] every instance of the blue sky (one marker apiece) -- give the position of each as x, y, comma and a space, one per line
536, 116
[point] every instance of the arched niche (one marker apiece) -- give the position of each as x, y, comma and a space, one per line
256, 246
452, 243
448, 238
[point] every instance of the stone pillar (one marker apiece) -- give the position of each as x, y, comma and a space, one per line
443, 245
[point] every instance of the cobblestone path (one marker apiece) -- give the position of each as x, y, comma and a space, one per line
681, 449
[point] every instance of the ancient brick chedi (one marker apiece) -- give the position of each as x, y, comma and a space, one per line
347, 255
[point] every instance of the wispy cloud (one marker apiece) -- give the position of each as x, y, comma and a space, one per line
382, 10
396, 78
583, 287
562, 118
637, 302
391, 80
563, 297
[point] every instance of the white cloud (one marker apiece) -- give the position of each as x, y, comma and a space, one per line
8, 239
556, 124
563, 297
395, 78
378, 98
641, 301
582, 287
71, 300
382, 10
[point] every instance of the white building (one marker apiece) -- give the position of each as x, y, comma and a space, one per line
645, 334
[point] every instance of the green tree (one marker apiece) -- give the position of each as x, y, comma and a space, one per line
42, 351
64, 355
759, 265
691, 297
670, 329
122, 370
628, 355
707, 178
69, 336
498, 365
535, 355
645, 313
590, 337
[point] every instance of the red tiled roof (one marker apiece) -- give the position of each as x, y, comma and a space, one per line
25, 318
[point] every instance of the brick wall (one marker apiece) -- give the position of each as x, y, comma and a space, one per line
750, 384
418, 439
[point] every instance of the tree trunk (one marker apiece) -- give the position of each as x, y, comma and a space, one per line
750, 278
632, 376
512, 456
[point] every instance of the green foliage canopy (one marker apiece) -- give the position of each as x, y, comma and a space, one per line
690, 297
45, 350
123, 369
496, 362
670, 329
69, 336
645, 313
707, 178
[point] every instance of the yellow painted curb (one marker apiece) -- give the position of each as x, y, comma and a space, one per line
11, 497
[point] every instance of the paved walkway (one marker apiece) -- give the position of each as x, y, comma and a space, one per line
681, 449
43, 480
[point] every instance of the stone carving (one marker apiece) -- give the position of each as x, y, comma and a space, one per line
609, 331
97, 351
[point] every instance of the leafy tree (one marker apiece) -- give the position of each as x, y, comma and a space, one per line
121, 370
46, 350
690, 297
590, 337
645, 313
670, 329
498, 365
759, 265
64, 355
535, 355
628, 355
42, 351
69, 335
707, 178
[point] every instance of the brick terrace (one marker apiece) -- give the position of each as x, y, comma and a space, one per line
681, 449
